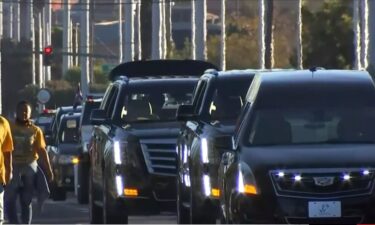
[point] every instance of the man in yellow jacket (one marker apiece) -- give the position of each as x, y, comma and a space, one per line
6, 148
29, 145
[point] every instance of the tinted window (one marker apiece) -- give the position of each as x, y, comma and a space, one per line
87, 109
227, 99
69, 135
154, 102
313, 126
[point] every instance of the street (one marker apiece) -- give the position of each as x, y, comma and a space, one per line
70, 212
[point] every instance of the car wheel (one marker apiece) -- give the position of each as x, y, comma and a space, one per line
113, 212
83, 184
182, 211
96, 212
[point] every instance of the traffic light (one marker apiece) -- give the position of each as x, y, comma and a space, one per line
47, 55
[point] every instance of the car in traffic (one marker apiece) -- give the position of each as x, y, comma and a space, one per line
133, 154
44, 121
302, 151
217, 102
91, 102
65, 155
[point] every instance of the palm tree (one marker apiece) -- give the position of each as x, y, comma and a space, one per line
223, 37
356, 30
364, 33
129, 31
299, 36
261, 35
156, 52
201, 29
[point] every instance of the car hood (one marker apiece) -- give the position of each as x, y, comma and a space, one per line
309, 156
154, 130
221, 128
68, 149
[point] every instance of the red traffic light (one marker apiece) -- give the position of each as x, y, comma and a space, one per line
48, 50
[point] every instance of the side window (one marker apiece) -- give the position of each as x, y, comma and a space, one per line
106, 97
111, 101
199, 94
241, 120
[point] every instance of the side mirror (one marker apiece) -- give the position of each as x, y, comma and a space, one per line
185, 113
98, 117
224, 143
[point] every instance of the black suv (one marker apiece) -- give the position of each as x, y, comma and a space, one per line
64, 156
91, 102
303, 150
217, 102
133, 154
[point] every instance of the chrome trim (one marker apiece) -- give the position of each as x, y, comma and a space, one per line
309, 195
287, 218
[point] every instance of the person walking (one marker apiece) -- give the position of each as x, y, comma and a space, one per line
29, 146
6, 148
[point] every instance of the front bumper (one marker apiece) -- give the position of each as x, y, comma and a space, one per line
260, 209
64, 176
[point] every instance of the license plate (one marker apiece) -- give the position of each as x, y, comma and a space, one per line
325, 209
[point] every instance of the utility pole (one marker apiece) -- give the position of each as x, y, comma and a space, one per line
299, 36
201, 29
223, 37
137, 35
31, 31
85, 46
129, 31
193, 27
372, 33
163, 30
364, 33
47, 34
120, 30
170, 27
8, 20
269, 57
262, 48
156, 52
40, 50
357, 40
16, 21
66, 34
1, 38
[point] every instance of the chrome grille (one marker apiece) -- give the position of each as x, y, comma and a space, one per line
160, 156
358, 184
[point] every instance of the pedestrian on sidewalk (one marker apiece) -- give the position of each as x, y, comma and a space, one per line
29, 146
6, 148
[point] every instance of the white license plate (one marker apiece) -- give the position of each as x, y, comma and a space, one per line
325, 209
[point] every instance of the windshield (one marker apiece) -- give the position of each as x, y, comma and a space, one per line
155, 102
69, 135
313, 126
227, 99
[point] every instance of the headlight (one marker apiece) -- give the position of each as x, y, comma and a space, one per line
68, 159
119, 154
246, 180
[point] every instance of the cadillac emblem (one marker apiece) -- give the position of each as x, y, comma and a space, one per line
323, 181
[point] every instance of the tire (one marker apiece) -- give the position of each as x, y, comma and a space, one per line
96, 212
113, 212
183, 214
83, 183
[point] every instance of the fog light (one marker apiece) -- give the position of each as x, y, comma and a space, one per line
346, 177
215, 192
297, 178
365, 172
75, 160
131, 192
281, 174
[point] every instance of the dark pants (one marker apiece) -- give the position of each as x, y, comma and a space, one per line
22, 183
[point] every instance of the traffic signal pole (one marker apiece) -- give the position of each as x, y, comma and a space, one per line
66, 34
1, 37
47, 35
85, 46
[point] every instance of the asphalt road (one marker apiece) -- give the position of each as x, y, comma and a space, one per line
69, 212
